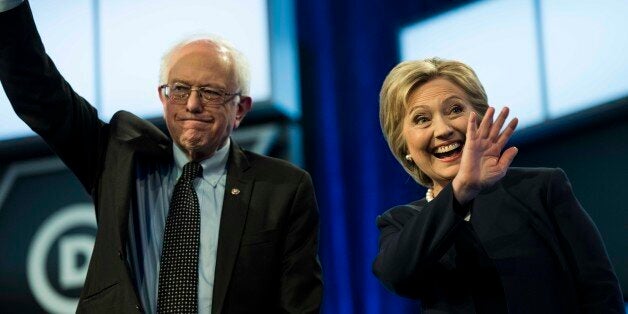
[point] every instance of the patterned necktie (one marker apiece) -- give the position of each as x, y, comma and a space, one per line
178, 272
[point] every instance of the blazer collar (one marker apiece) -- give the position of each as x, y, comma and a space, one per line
238, 163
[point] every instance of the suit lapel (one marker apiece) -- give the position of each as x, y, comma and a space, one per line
233, 218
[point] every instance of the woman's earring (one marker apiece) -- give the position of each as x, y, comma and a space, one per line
409, 158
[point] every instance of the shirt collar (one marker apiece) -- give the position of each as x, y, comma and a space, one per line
214, 167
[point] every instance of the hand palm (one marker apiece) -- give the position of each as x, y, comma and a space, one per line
482, 162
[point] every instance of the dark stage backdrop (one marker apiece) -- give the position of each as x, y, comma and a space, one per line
346, 50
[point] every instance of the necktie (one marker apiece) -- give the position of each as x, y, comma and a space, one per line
178, 272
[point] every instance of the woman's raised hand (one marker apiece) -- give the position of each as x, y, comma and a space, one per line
483, 162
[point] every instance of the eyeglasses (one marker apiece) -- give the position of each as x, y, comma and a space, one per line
179, 93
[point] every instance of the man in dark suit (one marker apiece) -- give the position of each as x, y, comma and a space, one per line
258, 215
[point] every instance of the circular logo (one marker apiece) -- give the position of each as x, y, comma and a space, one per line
70, 275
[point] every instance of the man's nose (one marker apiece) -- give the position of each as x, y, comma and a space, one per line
194, 103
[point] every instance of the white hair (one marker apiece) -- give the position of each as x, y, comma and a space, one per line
240, 63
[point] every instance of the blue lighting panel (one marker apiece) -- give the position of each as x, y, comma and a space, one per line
110, 51
135, 35
586, 44
495, 38
66, 31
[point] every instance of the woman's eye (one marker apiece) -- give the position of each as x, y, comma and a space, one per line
457, 109
420, 119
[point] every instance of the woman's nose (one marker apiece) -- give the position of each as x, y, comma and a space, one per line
442, 128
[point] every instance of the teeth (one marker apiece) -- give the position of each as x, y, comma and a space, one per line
446, 148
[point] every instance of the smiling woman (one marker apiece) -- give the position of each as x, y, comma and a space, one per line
434, 128
487, 238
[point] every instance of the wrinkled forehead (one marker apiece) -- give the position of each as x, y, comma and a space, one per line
200, 59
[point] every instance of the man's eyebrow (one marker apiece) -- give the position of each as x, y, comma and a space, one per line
210, 86
181, 82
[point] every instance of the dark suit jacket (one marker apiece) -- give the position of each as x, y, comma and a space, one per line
529, 248
268, 239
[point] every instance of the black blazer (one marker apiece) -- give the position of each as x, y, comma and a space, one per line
268, 239
529, 248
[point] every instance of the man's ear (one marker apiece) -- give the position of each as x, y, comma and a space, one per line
162, 97
243, 107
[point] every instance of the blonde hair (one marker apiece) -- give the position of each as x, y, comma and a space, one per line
399, 84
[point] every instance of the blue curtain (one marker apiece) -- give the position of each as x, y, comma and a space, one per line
346, 50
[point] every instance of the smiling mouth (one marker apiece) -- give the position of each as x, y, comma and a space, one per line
448, 151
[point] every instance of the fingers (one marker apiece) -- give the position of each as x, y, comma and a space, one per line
491, 130
507, 133
487, 122
507, 157
497, 126
472, 126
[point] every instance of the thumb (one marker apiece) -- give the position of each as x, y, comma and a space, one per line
507, 157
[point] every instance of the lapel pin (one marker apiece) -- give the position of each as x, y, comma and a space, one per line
235, 191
